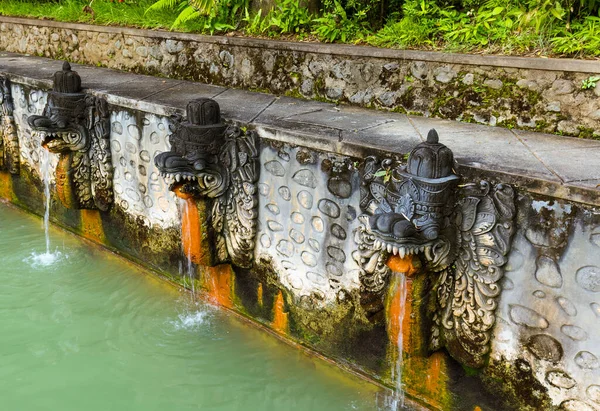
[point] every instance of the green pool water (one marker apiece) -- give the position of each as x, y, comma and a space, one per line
85, 330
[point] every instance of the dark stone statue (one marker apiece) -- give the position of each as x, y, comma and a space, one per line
76, 126
209, 159
462, 232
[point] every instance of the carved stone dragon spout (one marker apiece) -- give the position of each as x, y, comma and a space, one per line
463, 233
76, 126
209, 159
9, 142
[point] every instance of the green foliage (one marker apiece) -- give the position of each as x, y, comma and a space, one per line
186, 11
211, 15
582, 38
589, 82
416, 28
289, 16
255, 25
337, 26
547, 27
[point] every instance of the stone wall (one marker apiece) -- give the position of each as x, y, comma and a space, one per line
534, 94
307, 282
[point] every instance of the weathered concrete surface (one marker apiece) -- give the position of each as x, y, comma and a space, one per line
549, 305
515, 92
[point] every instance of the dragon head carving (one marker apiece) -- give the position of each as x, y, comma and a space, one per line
209, 159
461, 232
76, 126
411, 205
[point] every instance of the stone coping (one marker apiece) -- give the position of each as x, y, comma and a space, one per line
535, 63
560, 167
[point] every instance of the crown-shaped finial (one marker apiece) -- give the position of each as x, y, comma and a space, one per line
66, 80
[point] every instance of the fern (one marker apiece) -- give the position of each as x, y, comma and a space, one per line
203, 7
164, 4
187, 14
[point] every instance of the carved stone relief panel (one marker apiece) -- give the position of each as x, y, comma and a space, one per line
9, 141
550, 305
27, 102
309, 204
139, 188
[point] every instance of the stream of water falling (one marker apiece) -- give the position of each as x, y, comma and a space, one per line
396, 402
47, 257
186, 237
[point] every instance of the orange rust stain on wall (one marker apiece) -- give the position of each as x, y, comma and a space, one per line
407, 267
6, 191
434, 372
91, 225
280, 318
63, 182
424, 376
259, 294
220, 285
394, 313
404, 265
192, 230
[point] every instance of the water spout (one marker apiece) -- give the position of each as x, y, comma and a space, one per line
46, 258
187, 245
398, 313
396, 321
45, 172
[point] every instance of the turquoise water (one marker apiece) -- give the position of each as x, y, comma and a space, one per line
85, 330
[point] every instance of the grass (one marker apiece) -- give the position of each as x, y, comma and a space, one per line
423, 25
106, 13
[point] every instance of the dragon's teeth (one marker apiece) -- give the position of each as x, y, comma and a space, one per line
428, 253
402, 253
389, 248
178, 177
395, 249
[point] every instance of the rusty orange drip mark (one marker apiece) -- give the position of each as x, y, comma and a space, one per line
402, 265
220, 285
191, 233
181, 194
91, 225
259, 294
405, 266
6, 191
280, 318
63, 182
434, 372
394, 314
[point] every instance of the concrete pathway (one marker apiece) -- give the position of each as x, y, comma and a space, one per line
562, 167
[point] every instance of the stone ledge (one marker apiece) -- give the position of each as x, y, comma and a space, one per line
534, 161
554, 64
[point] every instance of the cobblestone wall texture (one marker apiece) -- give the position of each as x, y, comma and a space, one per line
548, 99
